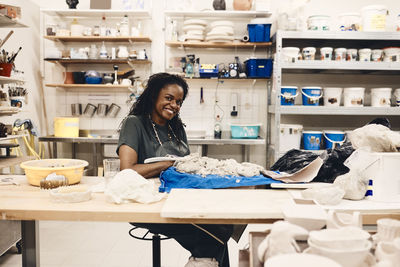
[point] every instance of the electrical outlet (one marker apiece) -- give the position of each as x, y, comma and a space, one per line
234, 104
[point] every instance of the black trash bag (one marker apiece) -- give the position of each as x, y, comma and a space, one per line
294, 160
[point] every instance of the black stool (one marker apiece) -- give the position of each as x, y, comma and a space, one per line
8, 147
156, 244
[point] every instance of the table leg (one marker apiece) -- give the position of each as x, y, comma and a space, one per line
95, 159
55, 150
74, 150
30, 243
204, 150
156, 250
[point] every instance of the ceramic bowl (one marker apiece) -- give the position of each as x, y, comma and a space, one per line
300, 260
347, 237
388, 229
345, 256
310, 217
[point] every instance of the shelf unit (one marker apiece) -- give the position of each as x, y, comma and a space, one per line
72, 86
98, 39
316, 67
95, 13
218, 13
96, 61
217, 45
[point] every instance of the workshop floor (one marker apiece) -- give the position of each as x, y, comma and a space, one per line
83, 244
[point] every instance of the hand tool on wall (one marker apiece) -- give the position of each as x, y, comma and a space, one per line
6, 38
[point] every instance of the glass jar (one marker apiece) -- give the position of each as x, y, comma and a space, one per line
96, 30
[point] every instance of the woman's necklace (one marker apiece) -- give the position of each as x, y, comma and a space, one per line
156, 133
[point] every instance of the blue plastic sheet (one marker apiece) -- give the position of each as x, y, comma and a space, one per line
170, 178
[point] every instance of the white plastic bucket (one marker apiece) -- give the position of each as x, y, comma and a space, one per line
377, 55
349, 22
351, 54
290, 54
309, 53
380, 97
391, 54
353, 96
365, 54
340, 54
318, 23
290, 137
397, 96
326, 53
374, 18
332, 96
385, 177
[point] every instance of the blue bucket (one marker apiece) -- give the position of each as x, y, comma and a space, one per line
311, 95
288, 95
312, 140
334, 138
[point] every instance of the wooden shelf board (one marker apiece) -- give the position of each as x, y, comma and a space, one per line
6, 22
97, 38
96, 61
110, 86
7, 162
216, 45
4, 80
7, 111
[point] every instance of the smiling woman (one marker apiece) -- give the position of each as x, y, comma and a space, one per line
153, 128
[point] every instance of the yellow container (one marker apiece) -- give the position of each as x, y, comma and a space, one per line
66, 127
36, 170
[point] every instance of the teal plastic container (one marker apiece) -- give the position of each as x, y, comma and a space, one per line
248, 131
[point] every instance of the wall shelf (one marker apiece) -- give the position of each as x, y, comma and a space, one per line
6, 22
96, 13
341, 110
217, 45
7, 111
70, 86
5, 80
96, 61
97, 39
218, 13
341, 65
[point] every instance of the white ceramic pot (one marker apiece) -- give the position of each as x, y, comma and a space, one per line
377, 55
388, 229
391, 54
122, 52
309, 53
290, 54
350, 22
365, 54
351, 55
318, 23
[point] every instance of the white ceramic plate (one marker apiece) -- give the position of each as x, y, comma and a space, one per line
193, 27
158, 159
221, 23
195, 21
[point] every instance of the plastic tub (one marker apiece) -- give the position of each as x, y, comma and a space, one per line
340, 54
66, 127
318, 23
376, 55
326, 53
312, 140
311, 95
290, 54
374, 18
380, 97
334, 138
353, 96
249, 131
351, 55
391, 54
290, 136
309, 53
350, 22
36, 170
365, 54
259, 32
332, 96
397, 96
288, 95
259, 67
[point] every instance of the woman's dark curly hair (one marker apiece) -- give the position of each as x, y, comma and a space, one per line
144, 105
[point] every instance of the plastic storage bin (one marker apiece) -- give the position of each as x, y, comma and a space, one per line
259, 32
250, 131
259, 67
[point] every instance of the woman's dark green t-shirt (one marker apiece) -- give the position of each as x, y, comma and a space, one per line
137, 132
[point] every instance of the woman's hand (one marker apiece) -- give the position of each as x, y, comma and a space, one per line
128, 158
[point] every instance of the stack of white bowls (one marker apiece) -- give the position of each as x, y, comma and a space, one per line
349, 246
220, 31
194, 30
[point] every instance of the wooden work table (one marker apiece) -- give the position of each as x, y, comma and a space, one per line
229, 206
